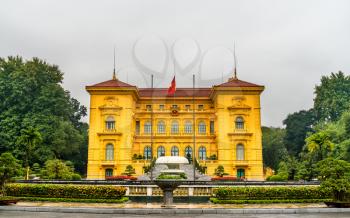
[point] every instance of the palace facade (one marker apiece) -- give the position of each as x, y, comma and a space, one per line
226, 126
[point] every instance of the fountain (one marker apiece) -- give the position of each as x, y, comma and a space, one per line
170, 178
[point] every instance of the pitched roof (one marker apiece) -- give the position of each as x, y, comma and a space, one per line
234, 82
112, 83
180, 92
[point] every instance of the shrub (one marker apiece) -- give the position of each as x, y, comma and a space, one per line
176, 177
65, 191
129, 170
263, 193
218, 201
76, 176
121, 178
335, 178
277, 178
220, 171
226, 178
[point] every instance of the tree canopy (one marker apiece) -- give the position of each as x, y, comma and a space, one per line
332, 97
32, 96
298, 125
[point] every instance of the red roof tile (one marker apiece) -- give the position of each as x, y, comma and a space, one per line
112, 83
180, 92
237, 83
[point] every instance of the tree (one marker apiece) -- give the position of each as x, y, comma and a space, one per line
28, 140
9, 167
57, 169
129, 170
31, 95
298, 125
288, 168
220, 171
273, 148
319, 145
332, 97
335, 177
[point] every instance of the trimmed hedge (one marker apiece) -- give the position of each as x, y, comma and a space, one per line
279, 201
118, 201
65, 191
271, 193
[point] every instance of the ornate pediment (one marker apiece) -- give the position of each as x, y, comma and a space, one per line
238, 103
110, 105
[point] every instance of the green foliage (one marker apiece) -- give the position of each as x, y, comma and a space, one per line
115, 201
9, 167
36, 169
298, 125
220, 171
332, 97
66, 191
32, 99
172, 176
277, 178
335, 177
149, 167
274, 150
271, 193
129, 170
57, 169
281, 201
200, 168
319, 144
213, 157
29, 139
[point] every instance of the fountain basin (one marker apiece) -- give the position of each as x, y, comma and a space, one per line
168, 186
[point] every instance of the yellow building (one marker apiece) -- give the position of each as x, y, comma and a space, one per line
227, 127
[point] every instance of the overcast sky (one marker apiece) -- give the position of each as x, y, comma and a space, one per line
285, 45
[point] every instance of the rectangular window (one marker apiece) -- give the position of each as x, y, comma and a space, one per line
137, 127
200, 107
148, 107
187, 107
174, 106
211, 127
161, 107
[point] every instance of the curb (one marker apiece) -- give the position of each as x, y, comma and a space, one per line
143, 211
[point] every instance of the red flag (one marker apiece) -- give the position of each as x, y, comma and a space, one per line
172, 87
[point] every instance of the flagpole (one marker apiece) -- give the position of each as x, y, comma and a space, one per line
152, 126
194, 130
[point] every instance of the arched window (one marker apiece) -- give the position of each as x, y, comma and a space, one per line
188, 127
147, 152
202, 153
175, 127
109, 152
239, 123
174, 151
188, 152
202, 127
240, 152
110, 123
147, 127
161, 127
108, 172
161, 151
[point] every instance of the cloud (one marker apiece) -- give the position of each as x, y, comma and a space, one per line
284, 45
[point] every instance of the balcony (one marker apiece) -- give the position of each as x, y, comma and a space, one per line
108, 163
241, 163
109, 132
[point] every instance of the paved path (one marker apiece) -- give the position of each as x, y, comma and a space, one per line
24, 214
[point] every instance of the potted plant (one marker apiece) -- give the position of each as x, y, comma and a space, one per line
335, 177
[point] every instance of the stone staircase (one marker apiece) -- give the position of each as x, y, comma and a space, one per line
187, 168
